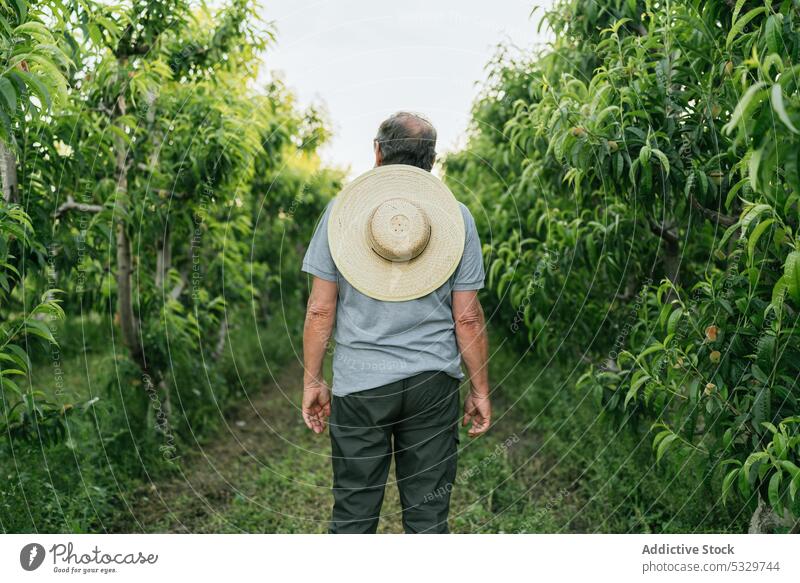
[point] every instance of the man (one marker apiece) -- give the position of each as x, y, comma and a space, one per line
397, 363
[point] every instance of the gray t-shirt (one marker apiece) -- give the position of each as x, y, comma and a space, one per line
381, 342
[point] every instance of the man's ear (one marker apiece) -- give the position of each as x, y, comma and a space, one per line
378, 155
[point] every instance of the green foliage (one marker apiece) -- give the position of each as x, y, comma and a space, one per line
33, 68
637, 188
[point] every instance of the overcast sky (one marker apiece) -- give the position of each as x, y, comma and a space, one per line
366, 59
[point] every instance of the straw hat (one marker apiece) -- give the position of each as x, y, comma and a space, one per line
396, 233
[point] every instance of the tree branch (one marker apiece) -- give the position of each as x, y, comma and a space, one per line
179, 287
664, 232
671, 259
72, 205
163, 258
8, 171
715, 216
221, 337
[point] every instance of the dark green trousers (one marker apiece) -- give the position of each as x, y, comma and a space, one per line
416, 420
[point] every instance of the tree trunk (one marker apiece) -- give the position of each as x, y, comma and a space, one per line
671, 247
127, 319
672, 262
163, 245
163, 258
221, 337
8, 174
765, 521
164, 414
8, 171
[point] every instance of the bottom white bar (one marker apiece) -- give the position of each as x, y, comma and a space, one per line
395, 558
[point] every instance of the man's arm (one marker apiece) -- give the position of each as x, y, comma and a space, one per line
320, 317
473, 344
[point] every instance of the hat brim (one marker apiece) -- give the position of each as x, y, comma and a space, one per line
370, 273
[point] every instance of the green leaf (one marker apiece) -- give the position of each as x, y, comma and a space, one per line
727, 438
497, 264
756, 235
791, 275
662, 157
790, 467
733, 191
759, 374
774, 491
770, 426
21, 355
753, 162
660, 435
640, 379
22, 9
95, 34
674, 318
761, 405
33, 83
765, 352
780, 444
779, 291
744, 482
6, 383
39, 329
739, 25
752, 213
34, 29
793, 486
772, 34
736, 10
657, 347
752, 459
9, 94
644, 155
664, 445
755, 93
777, 104
727, 483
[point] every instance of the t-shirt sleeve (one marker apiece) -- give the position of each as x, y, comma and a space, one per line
469, 273
318, 260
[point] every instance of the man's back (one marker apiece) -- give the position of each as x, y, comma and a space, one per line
381, 342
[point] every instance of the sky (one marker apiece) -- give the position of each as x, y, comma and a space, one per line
363, 60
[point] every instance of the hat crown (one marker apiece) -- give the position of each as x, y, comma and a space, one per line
398, 230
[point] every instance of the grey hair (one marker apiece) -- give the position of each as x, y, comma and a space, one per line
407, 138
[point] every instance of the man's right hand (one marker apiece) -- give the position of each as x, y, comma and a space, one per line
478, 409
316, 405
473, 344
